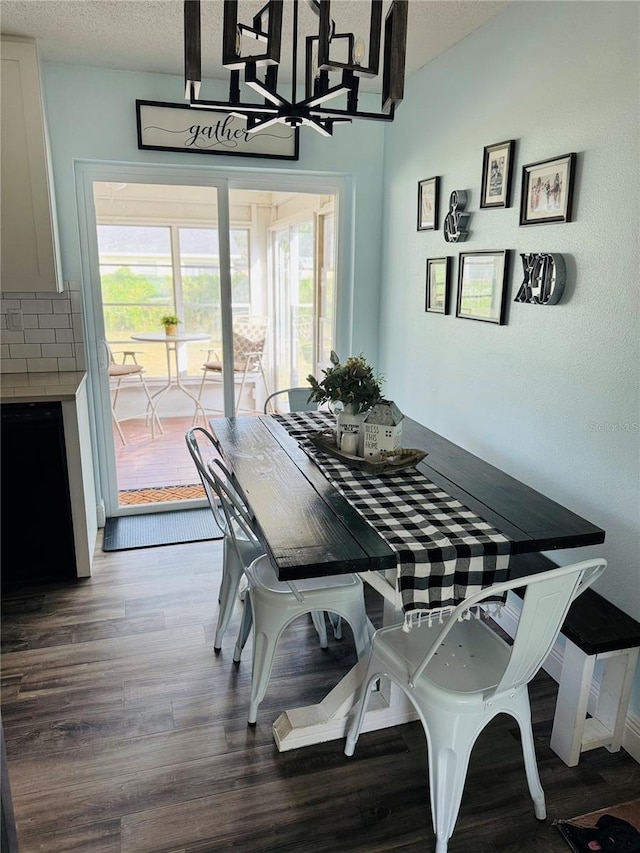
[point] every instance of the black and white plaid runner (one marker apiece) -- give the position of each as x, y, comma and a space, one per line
445, 551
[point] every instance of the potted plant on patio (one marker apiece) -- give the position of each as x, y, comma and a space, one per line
170, 323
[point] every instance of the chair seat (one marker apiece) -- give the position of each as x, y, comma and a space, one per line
124, 369
238, 366
264, 576
471, 659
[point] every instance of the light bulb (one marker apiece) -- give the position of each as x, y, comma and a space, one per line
358, 51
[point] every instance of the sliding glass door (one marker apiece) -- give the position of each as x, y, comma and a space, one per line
249, 273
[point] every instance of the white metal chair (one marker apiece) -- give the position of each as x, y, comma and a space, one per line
297, 400
461, 674
272, 604
129, 369
249, 343
236, 554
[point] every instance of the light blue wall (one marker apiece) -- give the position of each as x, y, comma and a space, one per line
91, 117
552, 397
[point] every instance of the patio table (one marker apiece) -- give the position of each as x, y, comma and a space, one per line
316, 518
173, 344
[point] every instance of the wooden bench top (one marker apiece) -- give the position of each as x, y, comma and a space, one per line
594, 624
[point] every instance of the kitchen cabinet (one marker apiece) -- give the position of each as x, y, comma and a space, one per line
49, 506
30, 255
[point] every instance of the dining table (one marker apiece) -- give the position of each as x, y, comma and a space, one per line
424, 537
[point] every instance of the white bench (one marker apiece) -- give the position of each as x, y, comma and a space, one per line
595, 630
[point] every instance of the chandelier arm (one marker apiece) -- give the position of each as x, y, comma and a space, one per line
239, 109
326, 96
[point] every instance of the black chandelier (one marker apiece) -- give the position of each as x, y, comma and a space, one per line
326, 78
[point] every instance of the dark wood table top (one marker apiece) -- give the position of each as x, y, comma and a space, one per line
310, 530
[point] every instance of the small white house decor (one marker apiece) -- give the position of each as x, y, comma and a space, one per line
382, 429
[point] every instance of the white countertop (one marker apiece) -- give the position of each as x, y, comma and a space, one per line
40, 387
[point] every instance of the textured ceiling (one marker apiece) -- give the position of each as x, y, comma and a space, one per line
147, 35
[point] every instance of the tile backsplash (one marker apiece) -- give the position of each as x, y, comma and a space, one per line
52, 334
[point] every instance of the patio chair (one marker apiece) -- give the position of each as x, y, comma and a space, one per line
249, 342
272, 604
461, 674
128, 368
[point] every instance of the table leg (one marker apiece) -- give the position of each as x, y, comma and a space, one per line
185, 390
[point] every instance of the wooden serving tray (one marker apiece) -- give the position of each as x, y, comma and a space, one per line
397, 460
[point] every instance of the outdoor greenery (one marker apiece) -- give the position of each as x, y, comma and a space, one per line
352, 383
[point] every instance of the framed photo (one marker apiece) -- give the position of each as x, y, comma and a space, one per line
438, 276
547, 191
482, 286
497, 169
428, 191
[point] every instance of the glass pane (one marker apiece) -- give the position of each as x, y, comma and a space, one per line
136, 278
134, 241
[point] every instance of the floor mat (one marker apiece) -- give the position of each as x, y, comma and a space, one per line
578, 831
130, 497
159, 528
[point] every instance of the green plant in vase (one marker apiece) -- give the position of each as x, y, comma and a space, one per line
354, 386
170, 323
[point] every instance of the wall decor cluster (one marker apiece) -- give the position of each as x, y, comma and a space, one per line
547, 191
545, 274
456, 222
546, 196
438, 283
428, 192
497, 171
482, 291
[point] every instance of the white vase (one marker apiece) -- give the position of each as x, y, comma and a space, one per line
347, 421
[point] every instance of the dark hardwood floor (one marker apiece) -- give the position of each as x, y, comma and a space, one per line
126, 734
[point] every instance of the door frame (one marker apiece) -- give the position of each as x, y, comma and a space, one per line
223, 180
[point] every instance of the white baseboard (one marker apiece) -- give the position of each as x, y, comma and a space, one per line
553, 667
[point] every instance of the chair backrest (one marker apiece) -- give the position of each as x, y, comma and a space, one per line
548, 596
191, 437
249, 336
237, 517
236, 513
297, 400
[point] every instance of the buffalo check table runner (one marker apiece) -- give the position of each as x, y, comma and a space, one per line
445, 551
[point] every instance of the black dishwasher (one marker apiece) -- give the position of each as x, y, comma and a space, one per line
36, 533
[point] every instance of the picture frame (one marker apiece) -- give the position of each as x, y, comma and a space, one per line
547, 191
497, 174
438, 285
428, 198
482, 286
